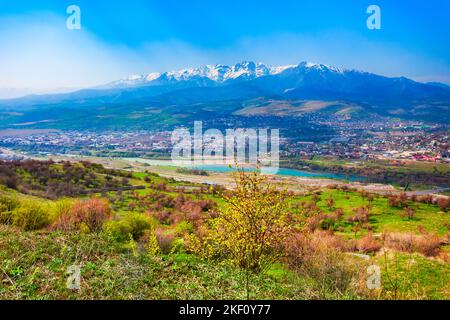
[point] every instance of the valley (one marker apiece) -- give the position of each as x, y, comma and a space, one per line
87, 181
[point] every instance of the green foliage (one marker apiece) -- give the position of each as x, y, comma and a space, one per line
7, 206
52, 180
6, 217
178, 246
8, 203
119, 230
133, 224
139, 223
31, 215
184, 227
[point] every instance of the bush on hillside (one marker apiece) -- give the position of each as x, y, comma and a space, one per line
133, 224
320, 255
7, 206
427, 244
444, 203
165, 240
368, 244
31, 215
92, 213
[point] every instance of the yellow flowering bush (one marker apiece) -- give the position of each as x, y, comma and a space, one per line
250, 230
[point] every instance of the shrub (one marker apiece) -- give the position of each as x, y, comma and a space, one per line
315, 222
361, 215
408, 213
428, 244
139, 224
330, 203
339, 214
252, 226
444, 203
92, 213
6, 217
7, 206
153, 247
162, 216
160, 187
8, 203
300, 245
184, 227
165, 240
31, 215
191, 207
61, 216
368, 244
320, 256
178, 246
329, 221
400, 200
133, 224
315, 198
311, 209
428, 199
176, 217
119, 230
166, 202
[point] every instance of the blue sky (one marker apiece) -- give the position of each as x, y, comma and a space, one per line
141, 36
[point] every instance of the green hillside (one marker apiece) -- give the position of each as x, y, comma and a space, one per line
135, 244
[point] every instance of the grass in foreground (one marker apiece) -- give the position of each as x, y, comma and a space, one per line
33, 265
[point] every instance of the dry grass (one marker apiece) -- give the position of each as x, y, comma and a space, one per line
320, 256
426, 244
368, 244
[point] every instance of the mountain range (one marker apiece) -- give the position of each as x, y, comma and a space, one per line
217, 74
243, 90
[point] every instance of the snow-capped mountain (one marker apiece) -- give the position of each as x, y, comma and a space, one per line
219, 74
236, 85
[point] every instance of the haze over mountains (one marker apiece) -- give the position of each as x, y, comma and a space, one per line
245, 89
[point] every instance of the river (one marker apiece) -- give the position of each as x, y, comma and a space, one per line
226, 168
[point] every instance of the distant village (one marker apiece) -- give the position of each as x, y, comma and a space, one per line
392, 140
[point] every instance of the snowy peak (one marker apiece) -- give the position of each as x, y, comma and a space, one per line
153, 76
219, 73
320, 67
247, 70
222, 73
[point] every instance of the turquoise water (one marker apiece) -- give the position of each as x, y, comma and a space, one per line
285, 172
281, 171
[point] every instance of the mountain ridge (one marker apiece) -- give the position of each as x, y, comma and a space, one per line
194, 90
219, 73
